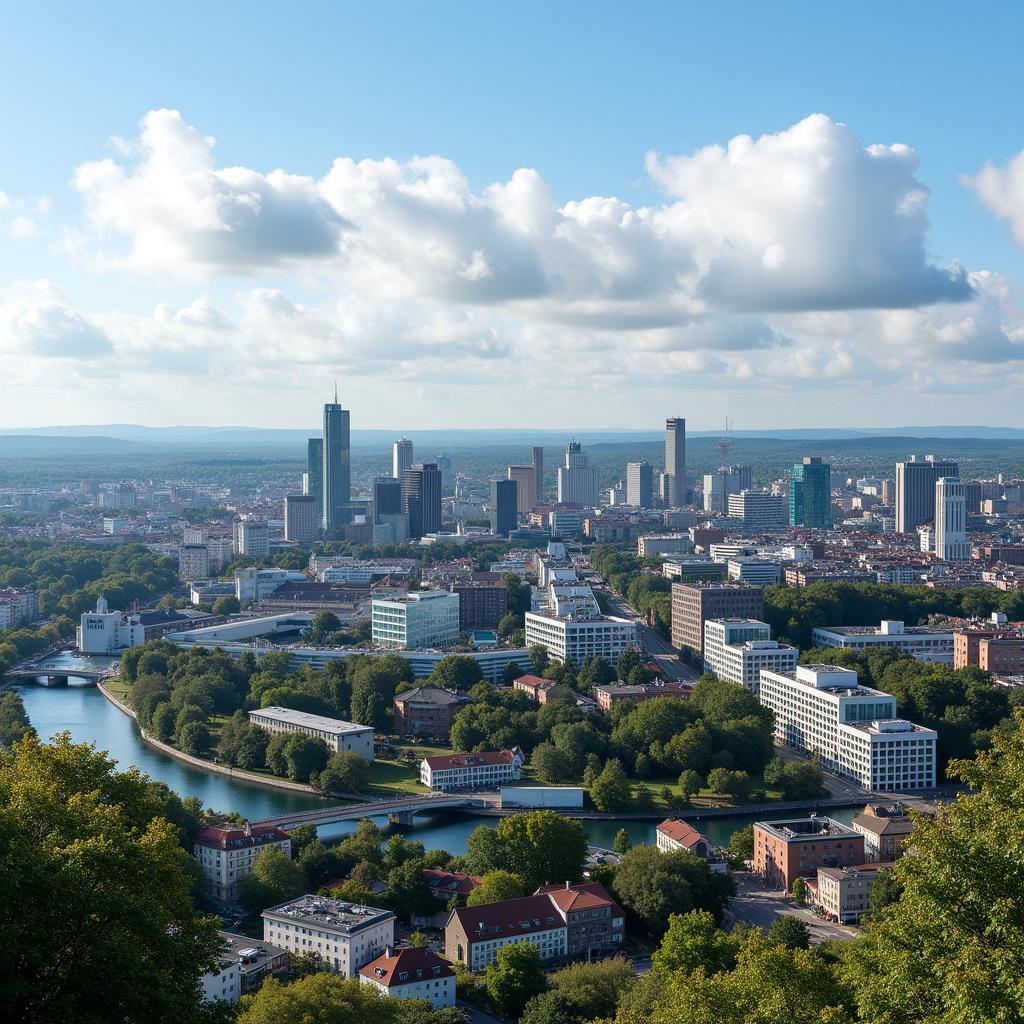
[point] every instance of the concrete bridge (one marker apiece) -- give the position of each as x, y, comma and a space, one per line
400, 811
57, 675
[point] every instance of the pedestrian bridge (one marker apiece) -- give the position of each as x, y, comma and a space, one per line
400, 811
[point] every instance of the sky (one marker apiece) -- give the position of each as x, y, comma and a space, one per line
481, 215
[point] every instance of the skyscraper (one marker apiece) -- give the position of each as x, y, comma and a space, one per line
675, 462
915, 490
301, 518
810, 494
504, 513
315, 473
538, 466
526, 486
421, 498
951, 543
387, 497
401, 457
577, 479
337, 485
444, 463
640, 484
725, 481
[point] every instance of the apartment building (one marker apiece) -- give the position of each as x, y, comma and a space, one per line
569, 638
414, 972
737, 650
843, 894
694, 603
797, 847
925, 643
227, 853
426, 711
345, 936
594, 922
886, 829
486, 769
675, 834
853, 730
336, 733
256, 960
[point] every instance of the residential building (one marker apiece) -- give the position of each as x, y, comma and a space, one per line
1001, 656
608, 695
650, 545
227, 853
18, 606
401, 457
577, 479
193, 562
537, 455
925, 643
853, 730
675, 834
313, 482
886, 829
302, 518
482, 605
223, 984
473, 935
421, 619
843, 894
345, 936
107, 632
525, 479
413, 972
256, 961
810, 494
915, 490
763, 572
595, 923
737, 650
504, 507
421, 498
694, 603
426, 711
448, 884
797, 847
571, 638
485, 769
758, 509
337, 481
674, 486
640, 484
252, 538
339, 735
951, 543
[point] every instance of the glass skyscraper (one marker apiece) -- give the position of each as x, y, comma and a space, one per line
315, 473
810, 494
337, 483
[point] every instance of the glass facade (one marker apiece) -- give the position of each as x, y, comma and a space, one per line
810, 494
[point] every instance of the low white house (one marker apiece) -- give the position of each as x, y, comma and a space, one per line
411, 973
487, 768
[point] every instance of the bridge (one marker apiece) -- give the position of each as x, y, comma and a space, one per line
55, 675
400, 811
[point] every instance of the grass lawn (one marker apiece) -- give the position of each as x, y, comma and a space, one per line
388, 777
120, 689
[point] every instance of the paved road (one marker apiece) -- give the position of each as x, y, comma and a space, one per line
755, 905
836, 785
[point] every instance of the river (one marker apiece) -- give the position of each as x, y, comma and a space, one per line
86, 714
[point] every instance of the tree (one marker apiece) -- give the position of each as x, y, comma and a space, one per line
610, 791
543, 847
227, 604
99, 920
951, 947
161, 722
319, 998
398, 850
346, 772
538, 657
274, 878
622, 841
694, 941
690, 783
305, 756
410, 892
322, 626
277, 760
789, 931
885, 890
741, 847
363, 844
515, 978
302, 836
799, 891
508, 624
495, 886
548, 1008
194, 738
14, 723
549, 763
594, 990
457, 672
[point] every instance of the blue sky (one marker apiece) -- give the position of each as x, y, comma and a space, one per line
596, 331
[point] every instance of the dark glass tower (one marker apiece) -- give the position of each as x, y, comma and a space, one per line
421, 498
315, 473
337, 484
504, 506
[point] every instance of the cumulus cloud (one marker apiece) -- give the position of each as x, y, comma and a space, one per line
806, 219
35, 320
1001, 189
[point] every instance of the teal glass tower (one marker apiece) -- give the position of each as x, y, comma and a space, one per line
810, 494
336, 481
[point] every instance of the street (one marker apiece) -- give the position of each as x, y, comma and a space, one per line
756, 905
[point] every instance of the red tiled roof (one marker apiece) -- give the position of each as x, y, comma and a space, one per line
236, 838
451, 881
417, 962
680, 832
583, 896
522, 916
473, 760
533, 681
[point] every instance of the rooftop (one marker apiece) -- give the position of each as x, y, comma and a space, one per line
522, 916
249, 953
336, 915
431, 695
440, 762
237, 838
814, 827
406, 966
302, 718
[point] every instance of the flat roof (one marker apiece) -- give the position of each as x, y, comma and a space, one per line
250, 954
877, 631
813, 827
288, 716
336, 915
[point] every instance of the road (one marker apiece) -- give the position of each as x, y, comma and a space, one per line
835, 784
755, 905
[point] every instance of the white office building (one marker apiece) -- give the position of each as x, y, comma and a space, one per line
762, 572
951, 543
737, 650
853, 730
758, 509
422, 619
259, 584
924, 643
107, 632
252, 538
339, 735
401, 457
577, 638
224, 983
345, 936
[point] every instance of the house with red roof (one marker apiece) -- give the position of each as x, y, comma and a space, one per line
594, 922
676, 834
485, 769
413, 972
226, 854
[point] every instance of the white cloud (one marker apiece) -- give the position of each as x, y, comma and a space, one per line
35, 321
1001, 189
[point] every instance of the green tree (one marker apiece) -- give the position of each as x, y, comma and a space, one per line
161, 722
548, 1008
345, 772
622, 841
538, 658
789, 931
14, 723
515, 978
799, 891
320, 998
302, 836
690, 783
543, 847
694, 941
457, 672
99, 920
227, 604
741, 847
610, 791
885, 890
550, 764
322, 626
194, 738
593, 990
509, 623
495, 886
274, 878
306, 756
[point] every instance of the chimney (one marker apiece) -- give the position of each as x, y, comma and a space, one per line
567, 886
389, 951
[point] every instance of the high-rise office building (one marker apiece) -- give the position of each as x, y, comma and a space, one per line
759, 510
301, 518
951, 543
504, 513
337, 484
387, 497
726, 480
674, 494
538, 465
810, 494
314, 478
252, 538
401, 457
640, 484
577, 479
444, 463
421, 498
526, 486
915, 490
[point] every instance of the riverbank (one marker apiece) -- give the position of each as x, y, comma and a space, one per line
197, 762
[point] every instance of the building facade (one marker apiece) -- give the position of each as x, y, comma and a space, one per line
301, 518
473, 935
810, 494
567, 638
915, 490
481, 605
758, 509
577, 479
107, 632
924, 643
411, 973
694, 603
421, 498
525, 478
426, 711
951, 543
886, 829
401, 457
737, 650
674, 488
226, 854
337, 481
339, 735
485, 769
422, 619
504, 507
640, 484
314, 478
797, 847
844, 894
